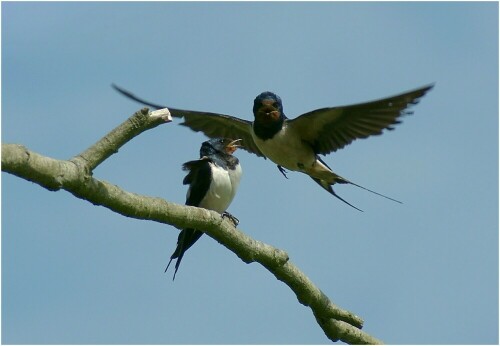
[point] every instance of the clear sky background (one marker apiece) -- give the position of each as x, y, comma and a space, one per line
422, 272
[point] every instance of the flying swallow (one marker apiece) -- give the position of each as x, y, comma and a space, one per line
213, 180
295, 144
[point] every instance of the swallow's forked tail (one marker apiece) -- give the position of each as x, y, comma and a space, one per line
325, 185
329, 178
186, 239
178, 256
339, 180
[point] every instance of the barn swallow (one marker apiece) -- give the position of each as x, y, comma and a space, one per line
295, 144
213, 180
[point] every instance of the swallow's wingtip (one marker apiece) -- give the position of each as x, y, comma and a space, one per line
431, 85
428, 87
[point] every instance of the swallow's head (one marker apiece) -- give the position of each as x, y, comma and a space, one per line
267, 108
219, 145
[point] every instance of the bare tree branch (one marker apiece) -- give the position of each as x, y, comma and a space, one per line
75, 176
133, 126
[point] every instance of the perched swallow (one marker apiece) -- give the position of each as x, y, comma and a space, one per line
295, 144
213, 181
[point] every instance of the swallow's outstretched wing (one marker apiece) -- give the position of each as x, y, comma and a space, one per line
211, 124
330, 129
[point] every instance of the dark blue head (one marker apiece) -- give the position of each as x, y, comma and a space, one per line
267, 101
268, 113
215, 146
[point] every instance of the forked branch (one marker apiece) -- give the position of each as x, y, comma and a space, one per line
75, 176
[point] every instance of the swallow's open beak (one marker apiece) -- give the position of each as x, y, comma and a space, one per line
267, 112
232, 146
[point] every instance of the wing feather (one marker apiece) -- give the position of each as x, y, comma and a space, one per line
198, 178
213, 125
331, 129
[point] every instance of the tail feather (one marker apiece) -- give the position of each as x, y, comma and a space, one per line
329, 188
376, 193
168, 265
337, 179
186, 239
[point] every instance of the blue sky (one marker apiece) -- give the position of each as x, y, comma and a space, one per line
422, 272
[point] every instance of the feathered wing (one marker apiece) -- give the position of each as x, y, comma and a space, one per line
198, 178
131, 96
330, 129
213, 125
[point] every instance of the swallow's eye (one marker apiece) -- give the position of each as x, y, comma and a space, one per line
275, 104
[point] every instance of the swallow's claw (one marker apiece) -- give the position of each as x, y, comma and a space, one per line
232, 218
283, 171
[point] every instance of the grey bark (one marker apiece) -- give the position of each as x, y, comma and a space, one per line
75, 176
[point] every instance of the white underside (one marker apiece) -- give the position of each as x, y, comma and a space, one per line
287, 150
222, 189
